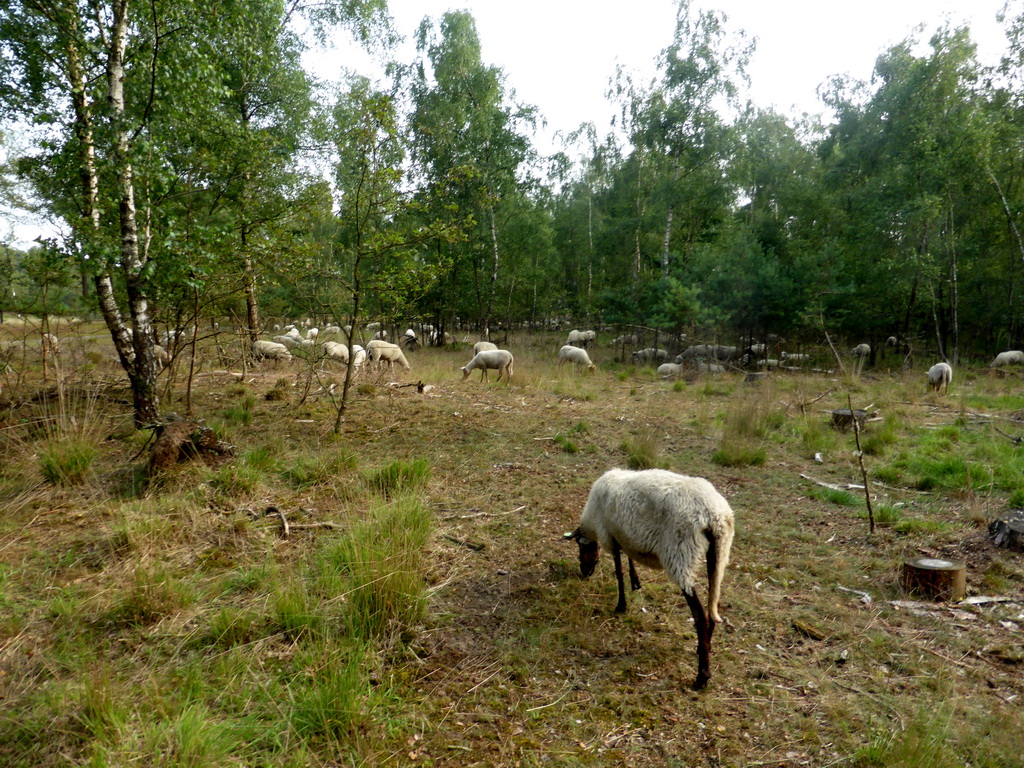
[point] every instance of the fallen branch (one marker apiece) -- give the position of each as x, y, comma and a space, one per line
476, 547
833, 486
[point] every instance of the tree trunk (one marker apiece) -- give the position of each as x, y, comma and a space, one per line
142, 374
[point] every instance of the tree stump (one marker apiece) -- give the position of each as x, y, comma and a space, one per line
181, 439
935, 578
842, 418
1008, 530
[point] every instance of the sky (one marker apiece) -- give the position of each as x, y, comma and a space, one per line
559, 55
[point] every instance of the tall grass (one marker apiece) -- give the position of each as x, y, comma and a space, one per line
400, 477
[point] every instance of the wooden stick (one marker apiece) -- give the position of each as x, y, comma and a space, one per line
863, 471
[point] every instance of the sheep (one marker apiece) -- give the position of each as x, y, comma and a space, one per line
939, 375
338, 351
798, 359
1013, 357
312, 333
664, 521
694, 351
892, 341
624, 340
650, 354
575, 338
270, 349
381, 352
571, 354
51, 344
490, 358
483, 346
667, 370
162, 358
861, 350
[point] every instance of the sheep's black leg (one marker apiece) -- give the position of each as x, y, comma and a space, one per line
700, 623
634, 580
712, 565
620, 607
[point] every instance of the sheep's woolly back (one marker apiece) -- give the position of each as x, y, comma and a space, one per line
1012, 357
660, 519
939, 374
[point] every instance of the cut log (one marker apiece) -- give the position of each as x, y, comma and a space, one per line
842, 418
1008, 530
935, 578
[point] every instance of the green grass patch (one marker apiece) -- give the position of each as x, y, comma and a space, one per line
838, 496
642, 450
400, 477
67, 462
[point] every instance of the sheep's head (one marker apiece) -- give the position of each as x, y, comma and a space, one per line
465, 372
589, 552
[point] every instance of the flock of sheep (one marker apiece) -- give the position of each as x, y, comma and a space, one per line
707, 358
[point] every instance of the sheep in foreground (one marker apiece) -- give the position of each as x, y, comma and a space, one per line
483, 346
1013, 357
668, 370
270, 350
664, 521
571, 354
499, 359
939, 375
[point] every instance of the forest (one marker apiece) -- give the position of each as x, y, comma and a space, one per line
200, 173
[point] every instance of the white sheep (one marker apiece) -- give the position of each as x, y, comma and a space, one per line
1013, 357
861, 350
51, 344
271, 350
338, 351
939, 375
312, 333
667, 370
499, 359
795, 359
381, 352
650, 355
626, 339
571, 354
664, 521
483, 346
575, 337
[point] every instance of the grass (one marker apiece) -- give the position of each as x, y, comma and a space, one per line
423, 610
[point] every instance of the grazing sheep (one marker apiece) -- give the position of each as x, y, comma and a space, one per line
571, 354
499, 359
892, 341
336, 351
798, 359
939, 375
575, 338
1013, 357
380, 353
664, 521
625, 340
162, 358
51, 344
693, 352
270, 350
483, 346
861, 350
312, 333
650, 355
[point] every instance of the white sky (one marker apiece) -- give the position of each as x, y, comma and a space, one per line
559, 54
